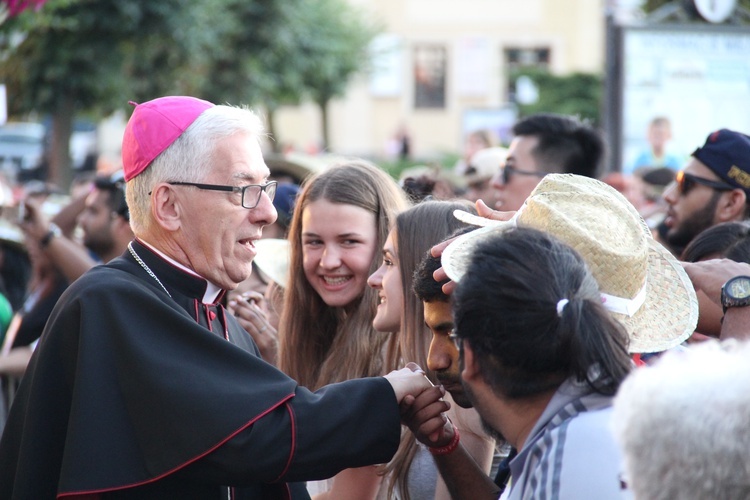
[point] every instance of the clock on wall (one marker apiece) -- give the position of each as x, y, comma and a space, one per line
715, 11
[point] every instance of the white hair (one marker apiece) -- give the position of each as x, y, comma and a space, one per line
189, 158
683, 424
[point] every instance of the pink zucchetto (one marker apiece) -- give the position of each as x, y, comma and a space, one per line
154, 126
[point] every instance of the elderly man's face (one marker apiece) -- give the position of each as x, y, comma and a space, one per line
217, 234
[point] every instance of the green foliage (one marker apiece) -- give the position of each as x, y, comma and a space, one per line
337, 44
279, 53
99, 53
75, 56
256, 59
578, 94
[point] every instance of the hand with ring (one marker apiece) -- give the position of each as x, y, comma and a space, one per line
250, 311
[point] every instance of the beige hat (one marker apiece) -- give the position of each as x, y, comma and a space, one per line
484, 164
641, 283
273, 259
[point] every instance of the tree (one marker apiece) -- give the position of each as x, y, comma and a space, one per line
310, 50
95, 55
259, 62
75, 56
577, 94
338, 48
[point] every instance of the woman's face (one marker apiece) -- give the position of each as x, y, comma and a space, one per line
338, 246
387, 281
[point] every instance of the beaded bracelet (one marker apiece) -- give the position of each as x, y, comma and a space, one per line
450, 447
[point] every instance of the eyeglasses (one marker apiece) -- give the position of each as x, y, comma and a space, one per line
250, 193
686, 182
509, 170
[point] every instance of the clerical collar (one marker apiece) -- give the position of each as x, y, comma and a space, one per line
212, 291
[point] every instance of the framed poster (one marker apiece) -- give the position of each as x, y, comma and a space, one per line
697, 76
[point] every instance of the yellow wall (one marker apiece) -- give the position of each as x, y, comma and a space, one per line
362, 124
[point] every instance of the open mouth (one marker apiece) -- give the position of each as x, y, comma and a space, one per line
248, 244
336, 280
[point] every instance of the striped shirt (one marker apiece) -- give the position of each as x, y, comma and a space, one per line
571, 453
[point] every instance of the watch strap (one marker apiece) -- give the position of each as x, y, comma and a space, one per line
54, 231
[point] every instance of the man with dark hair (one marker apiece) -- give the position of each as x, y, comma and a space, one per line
714, 187
544, 144
543, 347
105, 219
456, 468
443, 354
542, 375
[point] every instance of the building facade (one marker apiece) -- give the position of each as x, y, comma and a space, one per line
442, 68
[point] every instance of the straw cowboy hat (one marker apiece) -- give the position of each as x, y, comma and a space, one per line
641, 283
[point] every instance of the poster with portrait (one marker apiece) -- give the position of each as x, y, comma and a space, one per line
697, 76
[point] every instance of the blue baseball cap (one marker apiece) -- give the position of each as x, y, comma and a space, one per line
286, 196
727, 153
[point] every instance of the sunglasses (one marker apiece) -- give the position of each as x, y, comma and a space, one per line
508, 171
686, 182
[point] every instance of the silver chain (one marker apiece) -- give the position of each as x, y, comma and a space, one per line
146, 268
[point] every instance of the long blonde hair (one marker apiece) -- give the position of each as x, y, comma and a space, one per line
319, 344
417, 229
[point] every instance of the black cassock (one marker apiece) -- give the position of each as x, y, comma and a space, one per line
133, 394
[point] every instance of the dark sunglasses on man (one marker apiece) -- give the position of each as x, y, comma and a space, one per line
686, 182
509, 170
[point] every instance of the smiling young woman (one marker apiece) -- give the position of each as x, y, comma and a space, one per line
412, 472
340, 223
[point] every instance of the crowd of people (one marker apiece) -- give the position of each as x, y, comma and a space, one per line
526, 326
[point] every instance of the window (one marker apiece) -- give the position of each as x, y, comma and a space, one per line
429, 76
517, 58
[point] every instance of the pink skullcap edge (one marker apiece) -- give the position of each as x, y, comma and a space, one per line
154, 126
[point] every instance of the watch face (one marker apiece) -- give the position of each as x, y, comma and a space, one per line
739, 288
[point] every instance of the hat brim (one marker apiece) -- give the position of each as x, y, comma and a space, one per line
667, 317
273, 259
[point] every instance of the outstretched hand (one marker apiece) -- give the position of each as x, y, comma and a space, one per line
408, 381
709, 276
436, 251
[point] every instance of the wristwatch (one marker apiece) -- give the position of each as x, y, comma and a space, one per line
736, 292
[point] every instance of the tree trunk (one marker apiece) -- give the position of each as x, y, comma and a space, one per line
59, 159
325, 145
271, 123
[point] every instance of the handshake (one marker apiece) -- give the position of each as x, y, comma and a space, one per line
422, 405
